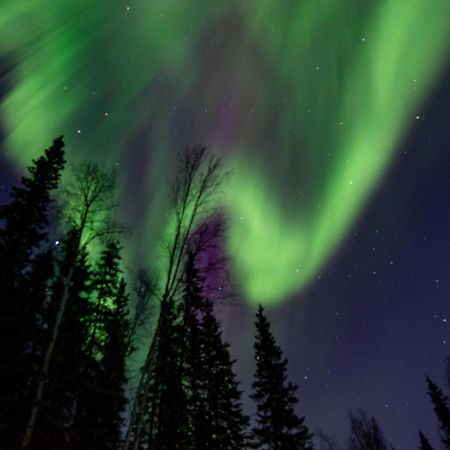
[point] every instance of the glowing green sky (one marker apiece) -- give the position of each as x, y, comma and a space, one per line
307, 100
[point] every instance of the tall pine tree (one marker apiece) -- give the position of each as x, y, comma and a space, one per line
101, 398
115, 354
89, 200
24, 251
192, 192
225, 425
213, 401
195, 400
164, 425
277, 425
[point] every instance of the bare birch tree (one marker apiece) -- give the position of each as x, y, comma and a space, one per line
365, 433
193, 198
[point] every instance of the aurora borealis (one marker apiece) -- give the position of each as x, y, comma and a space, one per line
331, 116
308, 101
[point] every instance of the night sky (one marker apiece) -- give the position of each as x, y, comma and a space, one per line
334, 119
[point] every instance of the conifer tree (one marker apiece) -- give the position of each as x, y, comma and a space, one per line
197, 181
89, 201
170, 398
193, 356
163, 422
195, 400
441, 409
277, 425
213, 401
114, 359
101, 398
23, 253
25, 219
225, 425
424, 442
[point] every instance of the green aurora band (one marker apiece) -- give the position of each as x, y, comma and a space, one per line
307, 101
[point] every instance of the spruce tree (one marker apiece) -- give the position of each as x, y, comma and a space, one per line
89, 201
424, 442
24, 252
277, 425
225, 425
163, 427
25, 219
194, 398
101, 398
113, 361
194, 364
441, 409
213, 400
192, 192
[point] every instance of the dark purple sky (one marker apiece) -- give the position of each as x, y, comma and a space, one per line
368, 331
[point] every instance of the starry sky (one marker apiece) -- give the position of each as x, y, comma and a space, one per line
333, 117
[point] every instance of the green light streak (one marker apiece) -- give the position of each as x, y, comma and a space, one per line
365, 102
320, 96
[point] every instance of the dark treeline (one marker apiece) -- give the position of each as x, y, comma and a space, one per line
72, 317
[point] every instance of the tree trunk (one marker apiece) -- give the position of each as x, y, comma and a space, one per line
141, 394
48, 356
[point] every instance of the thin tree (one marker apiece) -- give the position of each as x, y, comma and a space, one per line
115, 355
278, 427
188, 430
441, 409
365, 433
25, 267
424, 442
141, 305
193, 194
327, 442
66, 371
89, 199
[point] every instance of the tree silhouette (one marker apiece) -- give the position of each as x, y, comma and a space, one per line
89, 200
424, 442
101, 398
277, 425
225, 425
365, 433
442, 411
214, 409
65, 373
192, 196
167, 394
25, 267
327, 442
66, 333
